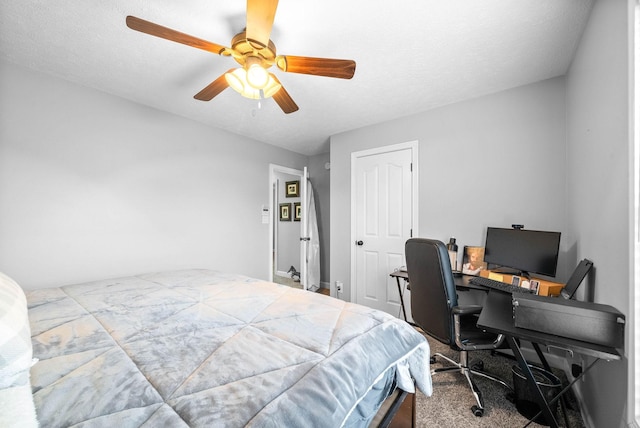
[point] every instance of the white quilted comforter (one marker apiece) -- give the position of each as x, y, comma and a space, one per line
200, 348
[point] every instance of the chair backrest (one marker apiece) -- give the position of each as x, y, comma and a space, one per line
433, 290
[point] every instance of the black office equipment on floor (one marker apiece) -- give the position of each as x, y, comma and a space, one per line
585, 321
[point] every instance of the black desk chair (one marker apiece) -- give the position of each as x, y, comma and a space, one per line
434, 306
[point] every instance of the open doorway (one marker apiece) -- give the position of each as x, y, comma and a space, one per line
285, 231
294, 257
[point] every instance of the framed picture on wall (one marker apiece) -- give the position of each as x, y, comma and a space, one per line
292, 189
285, 212
297, 211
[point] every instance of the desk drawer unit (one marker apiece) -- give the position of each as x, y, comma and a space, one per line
585, 321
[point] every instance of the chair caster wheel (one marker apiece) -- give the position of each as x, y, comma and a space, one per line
477, 411
432, 360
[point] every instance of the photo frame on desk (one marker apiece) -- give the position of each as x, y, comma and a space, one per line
473, 260
534, 285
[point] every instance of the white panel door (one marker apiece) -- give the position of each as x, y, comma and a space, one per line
383, 223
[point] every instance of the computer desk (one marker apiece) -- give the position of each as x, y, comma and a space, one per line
497, 317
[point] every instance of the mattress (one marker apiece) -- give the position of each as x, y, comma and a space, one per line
202, 348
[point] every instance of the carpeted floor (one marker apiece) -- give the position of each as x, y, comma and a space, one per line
285, 280
295, 283
450, 404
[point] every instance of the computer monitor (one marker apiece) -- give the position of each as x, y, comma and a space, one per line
525, 251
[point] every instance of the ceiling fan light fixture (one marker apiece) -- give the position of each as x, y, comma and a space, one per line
255, 53
238, 81
257, 76
271, 87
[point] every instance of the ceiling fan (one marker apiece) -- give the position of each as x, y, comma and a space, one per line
255, 52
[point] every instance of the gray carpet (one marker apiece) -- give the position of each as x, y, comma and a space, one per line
450, 404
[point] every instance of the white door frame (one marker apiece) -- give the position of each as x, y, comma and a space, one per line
413, 145
304, 230
273, 168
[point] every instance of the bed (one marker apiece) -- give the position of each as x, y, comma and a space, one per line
201, 348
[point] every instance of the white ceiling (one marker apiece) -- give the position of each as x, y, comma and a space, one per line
411, 55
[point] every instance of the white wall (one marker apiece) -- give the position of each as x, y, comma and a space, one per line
94, 186
490, 161
598, 142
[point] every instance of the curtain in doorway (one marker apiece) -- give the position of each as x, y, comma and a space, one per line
313, 249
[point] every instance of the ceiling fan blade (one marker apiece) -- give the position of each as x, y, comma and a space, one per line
283, 98
213, 88
260, 16
147, 27
340, 68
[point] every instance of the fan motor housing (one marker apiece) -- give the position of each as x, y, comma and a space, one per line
244, 48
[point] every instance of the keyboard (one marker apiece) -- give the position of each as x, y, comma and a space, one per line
500, 286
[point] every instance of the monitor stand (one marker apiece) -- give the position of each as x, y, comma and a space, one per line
509, 271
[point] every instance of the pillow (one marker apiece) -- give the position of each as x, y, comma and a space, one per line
16, 356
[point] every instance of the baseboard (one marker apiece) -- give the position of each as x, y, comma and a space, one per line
324, 284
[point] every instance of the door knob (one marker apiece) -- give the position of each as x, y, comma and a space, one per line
359, 243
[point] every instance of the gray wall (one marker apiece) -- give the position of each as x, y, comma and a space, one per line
490, 161
598, 144
93, 186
